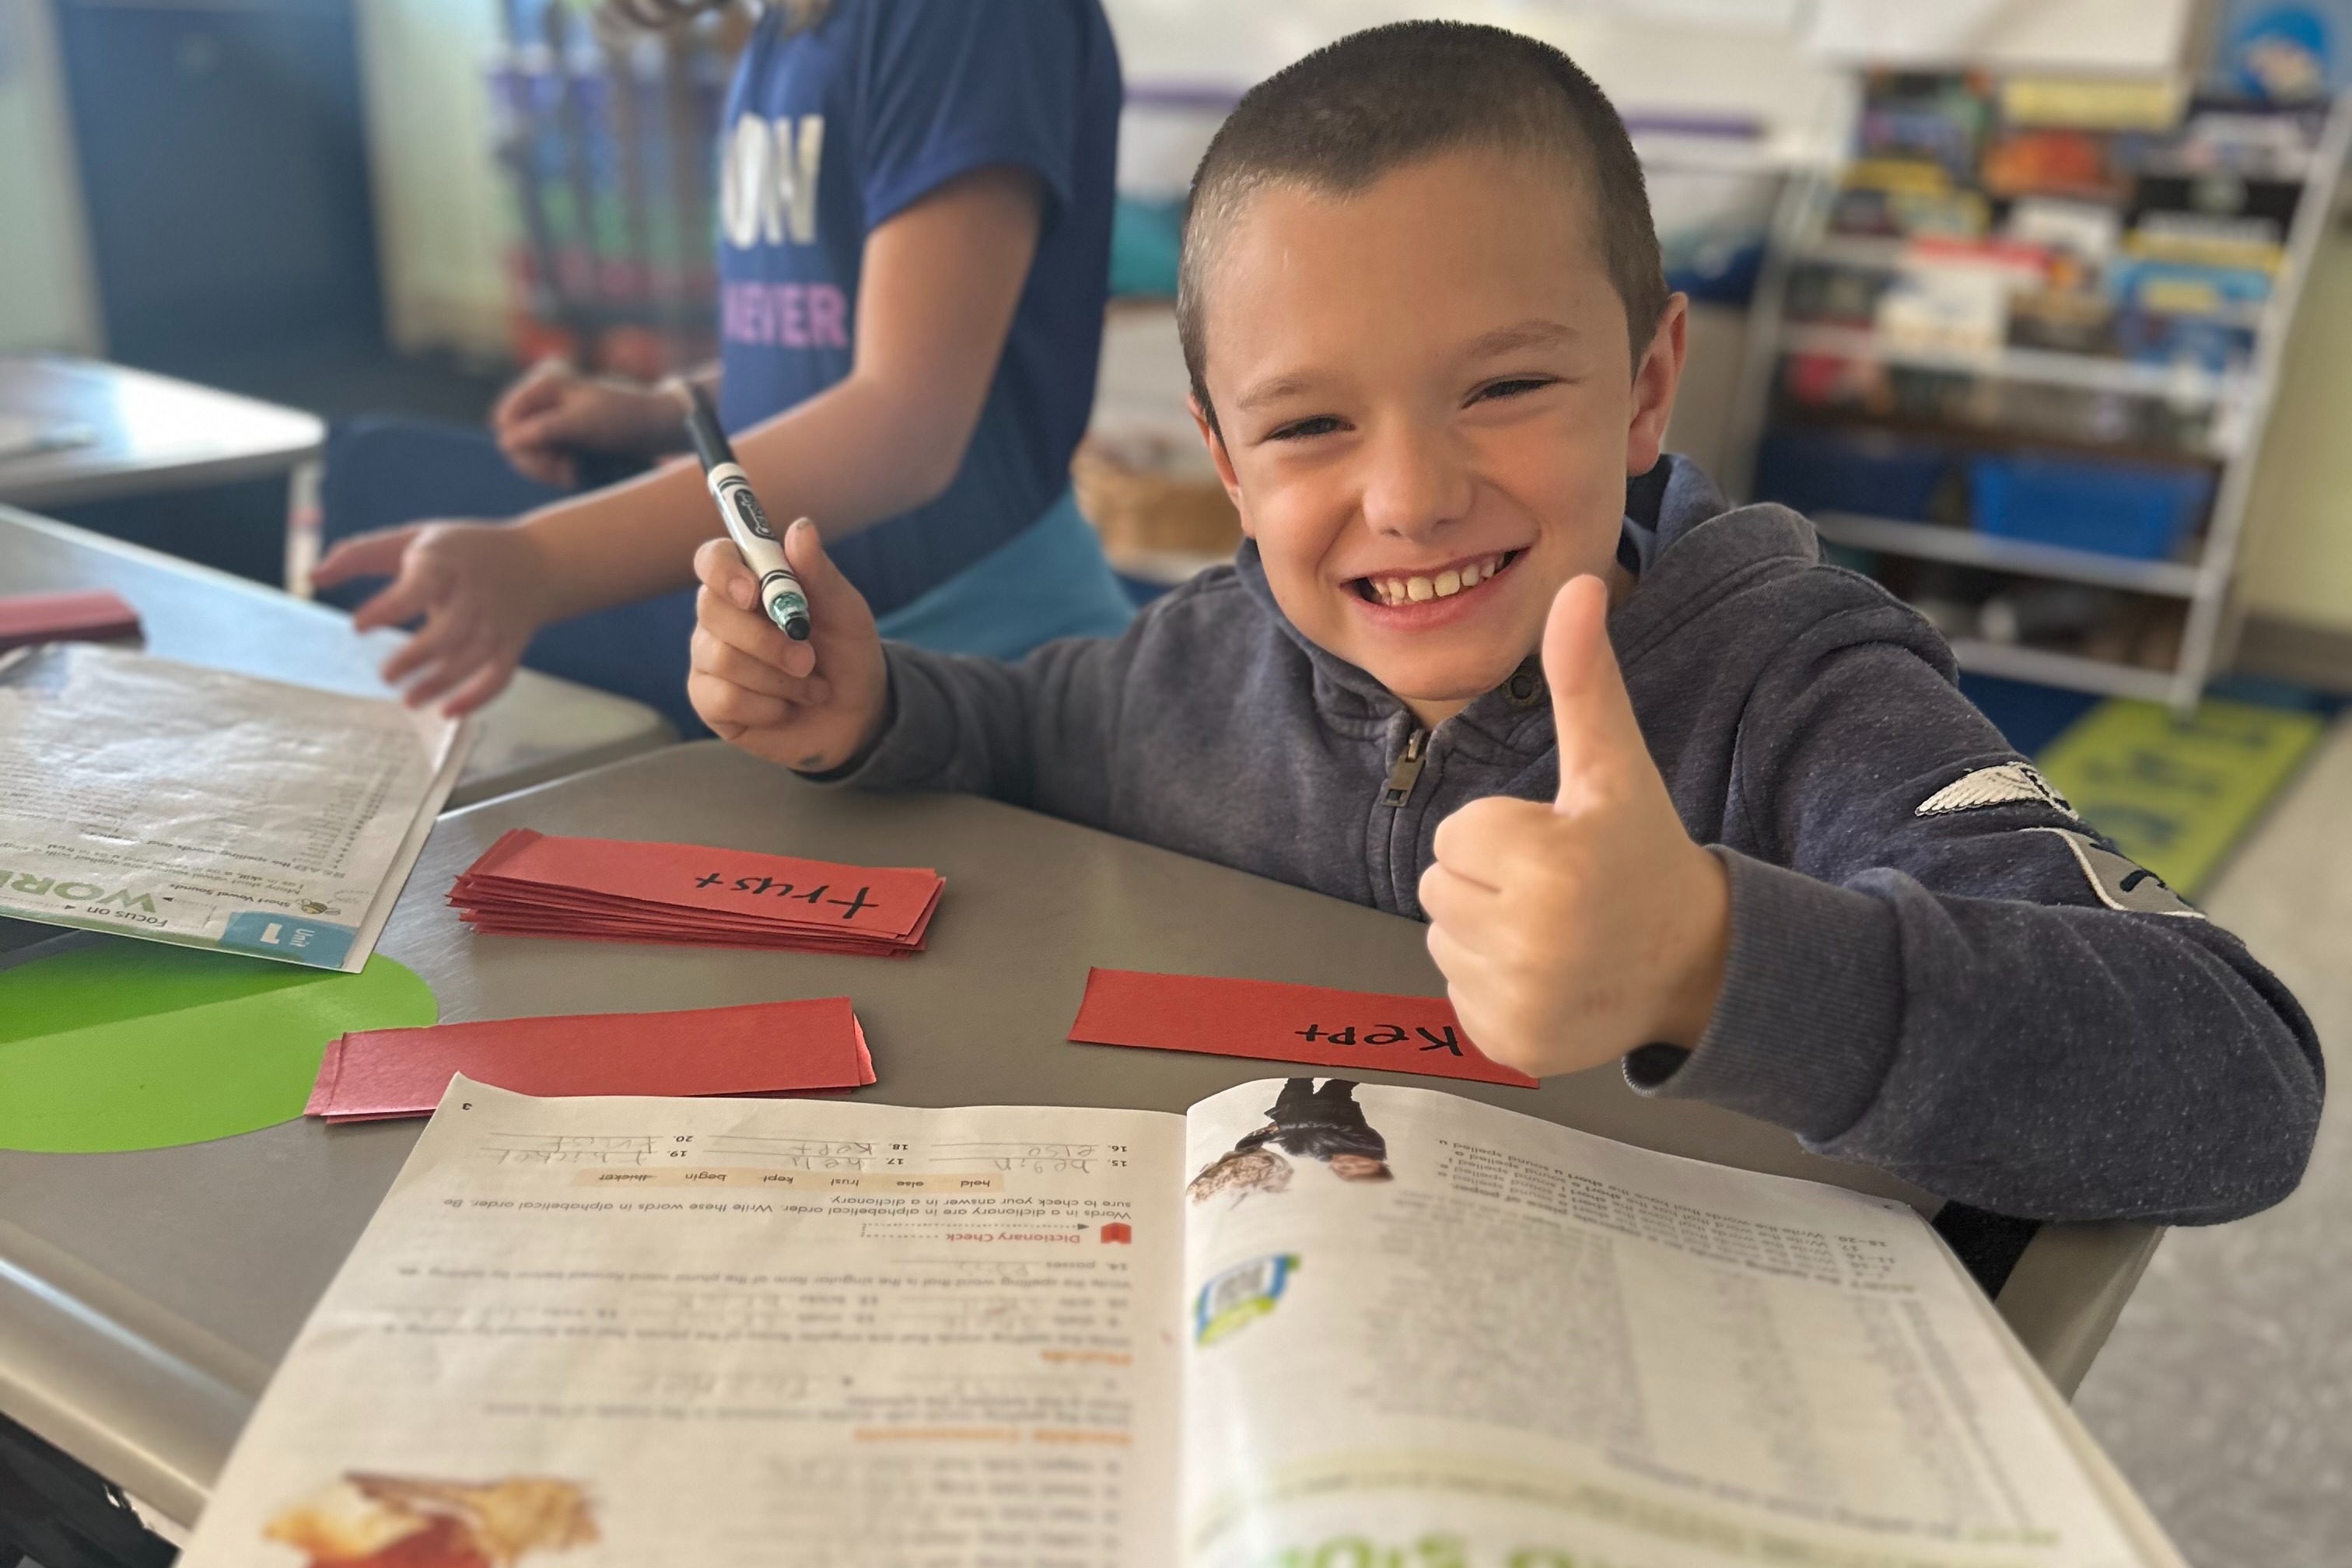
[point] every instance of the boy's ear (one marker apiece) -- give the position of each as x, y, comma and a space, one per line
1654, 381
1211, 438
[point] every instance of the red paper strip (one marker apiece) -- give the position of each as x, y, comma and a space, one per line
496, 900
1265, 1021
597, 931
500, 893
769, 889
767, 1047
92, 614
601, 890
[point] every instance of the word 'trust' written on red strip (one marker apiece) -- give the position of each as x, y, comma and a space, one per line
612, 889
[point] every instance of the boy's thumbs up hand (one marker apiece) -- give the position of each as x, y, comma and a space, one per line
1573, 932
809, 705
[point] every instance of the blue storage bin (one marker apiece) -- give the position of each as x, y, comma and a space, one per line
1877, 476
2113, 508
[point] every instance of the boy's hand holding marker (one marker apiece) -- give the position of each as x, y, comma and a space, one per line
1575, 932
745, 520
759, 637
761, 689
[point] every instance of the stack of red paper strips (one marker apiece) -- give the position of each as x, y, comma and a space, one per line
610, 889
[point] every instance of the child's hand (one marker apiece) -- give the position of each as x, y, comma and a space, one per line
809, 705
481, 589
553, 411
1571, 933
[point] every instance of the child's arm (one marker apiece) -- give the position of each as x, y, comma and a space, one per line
937, 290
1949, 995
2024, 1045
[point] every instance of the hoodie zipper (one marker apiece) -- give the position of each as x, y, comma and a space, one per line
1407, 772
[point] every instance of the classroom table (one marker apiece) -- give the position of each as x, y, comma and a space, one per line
145, 1296
539, 728
146, 433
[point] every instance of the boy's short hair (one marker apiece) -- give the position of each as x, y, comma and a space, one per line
1338, 120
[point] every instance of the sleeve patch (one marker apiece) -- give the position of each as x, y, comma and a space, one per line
2009, 783
2120, 884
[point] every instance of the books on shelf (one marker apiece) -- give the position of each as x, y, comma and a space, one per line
1983, 216
2023, 350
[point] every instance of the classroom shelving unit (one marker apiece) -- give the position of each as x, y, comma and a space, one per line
2228, 408
606, 135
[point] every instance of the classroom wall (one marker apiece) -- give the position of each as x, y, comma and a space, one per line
440, 201
1730, 57
1775, 60
442, 204
47, 300
2126, 36
2298, 557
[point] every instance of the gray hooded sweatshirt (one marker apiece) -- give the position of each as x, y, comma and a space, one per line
1935, 967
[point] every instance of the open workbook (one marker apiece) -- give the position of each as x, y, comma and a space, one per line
155, 799
1310, 1324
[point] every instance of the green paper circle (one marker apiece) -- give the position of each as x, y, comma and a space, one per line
140, 1046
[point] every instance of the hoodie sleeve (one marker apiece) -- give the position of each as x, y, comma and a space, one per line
1035, 732
1936, 967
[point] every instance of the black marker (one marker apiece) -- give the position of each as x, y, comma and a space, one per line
747, 525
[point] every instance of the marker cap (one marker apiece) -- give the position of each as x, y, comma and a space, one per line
786, 605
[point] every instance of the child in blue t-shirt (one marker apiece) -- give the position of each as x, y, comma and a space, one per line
914, 242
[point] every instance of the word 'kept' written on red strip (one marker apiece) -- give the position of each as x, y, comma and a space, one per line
1265, 1021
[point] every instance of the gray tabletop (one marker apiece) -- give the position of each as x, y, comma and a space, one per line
134, 432
144, 1297
539, 728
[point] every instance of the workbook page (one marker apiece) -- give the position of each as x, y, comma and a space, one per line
160, 800
583, 1333
1426, 1332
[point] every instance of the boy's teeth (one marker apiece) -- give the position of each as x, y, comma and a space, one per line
1444, 585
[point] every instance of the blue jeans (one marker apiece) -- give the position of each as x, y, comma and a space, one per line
1050, 580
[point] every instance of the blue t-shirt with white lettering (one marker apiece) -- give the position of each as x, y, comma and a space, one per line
830, 131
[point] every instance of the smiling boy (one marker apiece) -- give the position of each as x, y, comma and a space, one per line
1668, 789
